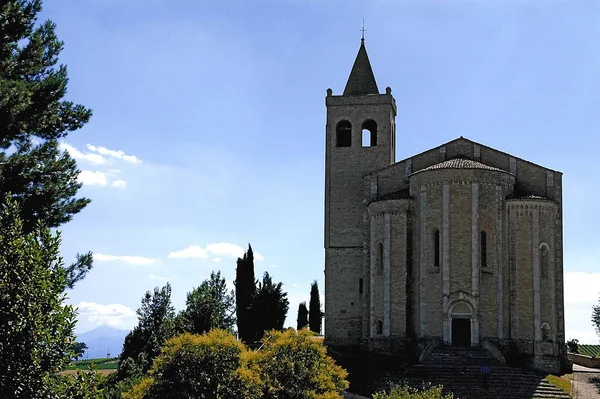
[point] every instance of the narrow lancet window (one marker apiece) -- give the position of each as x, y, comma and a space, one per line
343, 134
369, 133
379, 327
436, 248
360, 286
483, 249
379, 259
544, 260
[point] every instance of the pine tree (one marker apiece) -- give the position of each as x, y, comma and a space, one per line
302, 321
33, 117
209, 306
269, 307
315, 313
245, 289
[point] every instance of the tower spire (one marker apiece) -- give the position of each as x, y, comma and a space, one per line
361, 80
363, 30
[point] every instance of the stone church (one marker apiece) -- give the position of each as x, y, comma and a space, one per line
460, 245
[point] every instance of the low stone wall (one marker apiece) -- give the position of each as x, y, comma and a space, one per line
586, 361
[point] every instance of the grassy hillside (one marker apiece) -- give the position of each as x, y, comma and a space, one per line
589, 350
99, 363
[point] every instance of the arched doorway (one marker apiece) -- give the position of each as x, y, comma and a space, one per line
461, 315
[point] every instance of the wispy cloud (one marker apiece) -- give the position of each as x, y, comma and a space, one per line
133, 260
193, 251
114, 314
157, 278
114, 154
96, 159
91, 178
97, 155
218, 250
119, 184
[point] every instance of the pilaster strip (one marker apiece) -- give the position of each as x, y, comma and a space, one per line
372, 281
446, 240
475, 239
552, 275
499, 261
387, 275
514, 299
422, 259
537, 323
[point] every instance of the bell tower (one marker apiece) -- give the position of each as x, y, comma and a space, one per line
360, 138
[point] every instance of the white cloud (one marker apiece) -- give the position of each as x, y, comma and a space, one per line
119, 184
157, 278
114, 153
92, 178
114, 314
582, 291
219, 249
134, 260
193, 251
78, 155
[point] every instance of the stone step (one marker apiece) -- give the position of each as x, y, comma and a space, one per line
466, 382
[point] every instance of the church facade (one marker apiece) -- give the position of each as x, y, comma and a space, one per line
460, 245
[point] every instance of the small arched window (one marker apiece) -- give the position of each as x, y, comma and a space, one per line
436, 248
544, 258
379, 327
546, 332
379, 259
343, 134
369, 133
483, 249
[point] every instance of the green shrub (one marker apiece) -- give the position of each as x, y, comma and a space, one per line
405, 392
295, 365
213, 365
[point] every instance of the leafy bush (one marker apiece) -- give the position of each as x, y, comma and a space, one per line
405, 392
573, 346
214, 365
294, 365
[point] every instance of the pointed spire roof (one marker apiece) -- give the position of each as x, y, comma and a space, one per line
361, 80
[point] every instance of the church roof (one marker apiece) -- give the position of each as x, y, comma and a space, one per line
362, 79
460, 163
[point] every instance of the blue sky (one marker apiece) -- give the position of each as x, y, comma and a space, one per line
209, 116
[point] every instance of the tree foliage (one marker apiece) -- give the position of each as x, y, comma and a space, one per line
405, 392
155, 326
245, 289
291, 365
33, 117
315, 317
208, 307
37, 326
78, 349
295, 365
302, 320
270, 306
213, 365
596, 317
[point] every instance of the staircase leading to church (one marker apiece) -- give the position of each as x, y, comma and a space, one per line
459, 371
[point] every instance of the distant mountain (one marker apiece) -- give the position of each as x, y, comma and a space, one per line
103, 340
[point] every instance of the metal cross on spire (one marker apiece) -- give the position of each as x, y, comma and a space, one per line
363, 30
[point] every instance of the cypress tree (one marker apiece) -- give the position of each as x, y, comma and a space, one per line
302, 321
245, 289
315, 313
